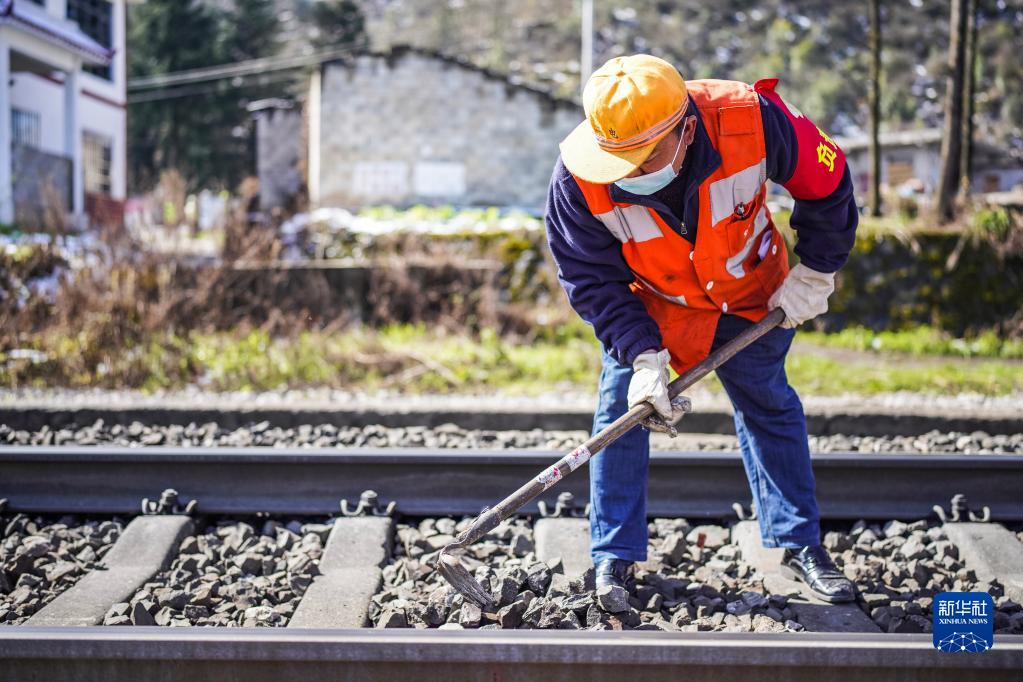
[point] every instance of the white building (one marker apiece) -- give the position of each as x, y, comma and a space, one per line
62, 109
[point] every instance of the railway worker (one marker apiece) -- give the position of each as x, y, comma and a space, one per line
657, 221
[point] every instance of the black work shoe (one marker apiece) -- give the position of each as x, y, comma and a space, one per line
812, 565
618, 572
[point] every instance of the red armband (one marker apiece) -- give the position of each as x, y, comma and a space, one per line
819, 161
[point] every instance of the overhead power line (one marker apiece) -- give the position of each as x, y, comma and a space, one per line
206, 88
236, 69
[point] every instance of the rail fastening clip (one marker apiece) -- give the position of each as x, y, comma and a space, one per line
565, 507
169, 503
369, 505
959, 510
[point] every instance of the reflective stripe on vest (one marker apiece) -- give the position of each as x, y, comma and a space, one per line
734, 263
630, 223
743, 186
634, 223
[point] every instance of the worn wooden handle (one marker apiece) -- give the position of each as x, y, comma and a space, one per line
613, 431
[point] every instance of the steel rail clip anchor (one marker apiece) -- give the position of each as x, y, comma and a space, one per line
565, 507
168, 504
959, 510
742, 514
369, 505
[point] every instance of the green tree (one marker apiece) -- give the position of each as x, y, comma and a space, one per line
165, 36
818, 49
250, 30
338, 23
201, 130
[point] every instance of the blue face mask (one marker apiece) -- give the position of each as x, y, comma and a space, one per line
651, 182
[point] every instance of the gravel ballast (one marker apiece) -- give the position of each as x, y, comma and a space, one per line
40, 558
236, 573
262, 434
694, 579
899, 567
230, 575
684, 586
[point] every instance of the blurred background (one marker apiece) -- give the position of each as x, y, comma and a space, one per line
267, 195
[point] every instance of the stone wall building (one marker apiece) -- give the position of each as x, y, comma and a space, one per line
411, 126
280, 155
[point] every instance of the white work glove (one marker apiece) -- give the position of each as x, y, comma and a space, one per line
650, 385
803, 295
679, 406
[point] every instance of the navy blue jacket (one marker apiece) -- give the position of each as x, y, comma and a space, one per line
593, 271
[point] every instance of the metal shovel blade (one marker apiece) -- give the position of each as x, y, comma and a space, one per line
458, 576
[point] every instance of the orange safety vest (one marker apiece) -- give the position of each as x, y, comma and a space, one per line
739, 258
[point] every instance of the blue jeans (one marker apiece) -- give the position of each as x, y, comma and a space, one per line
771, 427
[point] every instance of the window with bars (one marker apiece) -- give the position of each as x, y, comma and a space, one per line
25, 127
96, 155
95, 18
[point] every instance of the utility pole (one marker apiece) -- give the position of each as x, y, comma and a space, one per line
952, 132
875, 108
586, 54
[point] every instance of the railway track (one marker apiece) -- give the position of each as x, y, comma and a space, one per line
228, 480
266, 655
322, 639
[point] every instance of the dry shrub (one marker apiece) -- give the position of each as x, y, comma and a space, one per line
436, 291
130, 303
19, 311
130, 294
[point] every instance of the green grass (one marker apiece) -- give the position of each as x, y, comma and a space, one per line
921, 341
815, 375
415, 359
407, 358
868, 226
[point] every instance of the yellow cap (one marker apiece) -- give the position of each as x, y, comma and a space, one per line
630, 104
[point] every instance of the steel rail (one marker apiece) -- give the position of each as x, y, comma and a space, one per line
264, 654
429, 482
